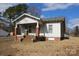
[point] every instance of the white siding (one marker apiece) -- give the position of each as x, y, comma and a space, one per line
27, 20
56, 30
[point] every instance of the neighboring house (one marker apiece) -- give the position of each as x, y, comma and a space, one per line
52, 29
5, 21
3, 33
4, 24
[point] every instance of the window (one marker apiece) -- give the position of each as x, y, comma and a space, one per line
50, 28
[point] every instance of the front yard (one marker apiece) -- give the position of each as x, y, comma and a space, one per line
67, 47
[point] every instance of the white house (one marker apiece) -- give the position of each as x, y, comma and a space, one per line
52, 29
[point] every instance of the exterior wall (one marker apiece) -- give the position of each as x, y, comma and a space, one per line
56, 31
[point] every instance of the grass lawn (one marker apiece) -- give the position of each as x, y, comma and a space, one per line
68, 47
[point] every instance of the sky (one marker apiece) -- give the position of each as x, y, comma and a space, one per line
68, 10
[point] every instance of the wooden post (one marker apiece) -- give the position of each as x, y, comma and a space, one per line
16, 33
37, 29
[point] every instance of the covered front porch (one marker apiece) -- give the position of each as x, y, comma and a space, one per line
27, 29
27, 25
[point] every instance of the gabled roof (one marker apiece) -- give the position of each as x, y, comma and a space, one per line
55, 19
25, 14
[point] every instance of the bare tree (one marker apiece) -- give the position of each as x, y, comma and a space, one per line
74, 31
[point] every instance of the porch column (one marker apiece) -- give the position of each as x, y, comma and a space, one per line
11, 32
37, 29
15, 30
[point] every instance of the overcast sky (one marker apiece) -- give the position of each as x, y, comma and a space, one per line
70, 11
